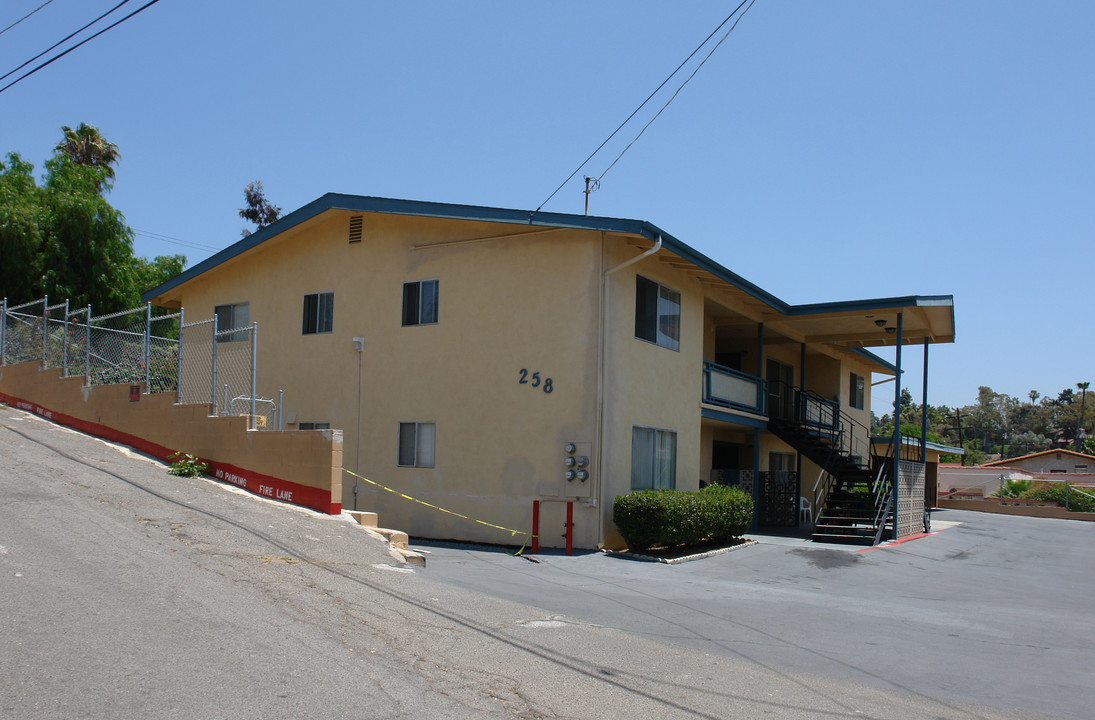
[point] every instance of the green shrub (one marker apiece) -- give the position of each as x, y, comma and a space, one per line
1015, 488
649, 518
1055, 492
186, 465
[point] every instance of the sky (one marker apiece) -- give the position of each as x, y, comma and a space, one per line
826, 151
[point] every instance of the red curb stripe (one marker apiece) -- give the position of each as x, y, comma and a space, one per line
892, 543
253, 482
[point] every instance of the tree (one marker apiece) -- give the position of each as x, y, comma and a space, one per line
63, 239
258, 210
22, 228
1033, 395
86, 146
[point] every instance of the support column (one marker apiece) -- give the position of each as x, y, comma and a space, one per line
924, 410
756, 431
896, 428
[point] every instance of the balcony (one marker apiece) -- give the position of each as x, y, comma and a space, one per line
734, 389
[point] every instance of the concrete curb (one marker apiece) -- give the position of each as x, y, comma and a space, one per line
685, 558
397, 539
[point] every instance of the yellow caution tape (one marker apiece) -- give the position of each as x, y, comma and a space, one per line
511, 531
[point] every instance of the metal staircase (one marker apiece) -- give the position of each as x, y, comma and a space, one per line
853, 502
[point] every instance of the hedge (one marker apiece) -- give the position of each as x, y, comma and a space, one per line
1055, 492
666, 518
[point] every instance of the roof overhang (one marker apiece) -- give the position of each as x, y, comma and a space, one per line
848, 325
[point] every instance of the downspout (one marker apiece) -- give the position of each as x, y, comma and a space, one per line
602, 371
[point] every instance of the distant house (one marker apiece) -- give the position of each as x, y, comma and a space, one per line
1049, 462
492, 361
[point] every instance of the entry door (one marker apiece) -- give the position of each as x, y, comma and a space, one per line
781, 394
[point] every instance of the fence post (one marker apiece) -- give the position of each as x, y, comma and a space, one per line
87, 348
45, 328
3, 325
213, 389
178, 357
254, 373
1066, 496
281, 399
64, 345
147, 345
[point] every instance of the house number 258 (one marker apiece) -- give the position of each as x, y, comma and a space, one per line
534, 380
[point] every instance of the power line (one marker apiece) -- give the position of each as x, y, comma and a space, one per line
9, 27
64, 40
677, 92
173, 240
641, 105
82, 42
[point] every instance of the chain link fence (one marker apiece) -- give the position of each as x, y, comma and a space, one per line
204, 364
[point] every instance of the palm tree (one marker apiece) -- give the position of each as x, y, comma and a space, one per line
87, 146
1083, 386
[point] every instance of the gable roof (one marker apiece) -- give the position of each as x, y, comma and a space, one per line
1041, 453
930, 318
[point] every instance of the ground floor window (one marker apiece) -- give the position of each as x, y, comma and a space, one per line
416, 444
653, 459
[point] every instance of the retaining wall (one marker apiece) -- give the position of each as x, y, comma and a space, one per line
303, 467
1004, 506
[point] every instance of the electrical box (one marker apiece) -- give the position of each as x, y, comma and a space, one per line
576, 470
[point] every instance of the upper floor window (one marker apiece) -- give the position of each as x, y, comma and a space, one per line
231, 317
314, 426
856, 387
319, 313
420, 302
657, 313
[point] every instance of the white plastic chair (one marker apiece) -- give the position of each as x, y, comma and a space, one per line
805, 514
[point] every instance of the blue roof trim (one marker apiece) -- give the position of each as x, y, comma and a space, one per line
735, 419
418, 208
907, 441
867, 354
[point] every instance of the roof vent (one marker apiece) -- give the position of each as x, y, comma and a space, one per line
355, 228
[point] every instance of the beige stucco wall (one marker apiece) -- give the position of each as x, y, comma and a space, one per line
308, 459
504, 306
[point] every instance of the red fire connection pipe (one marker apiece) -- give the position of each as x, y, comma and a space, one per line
570, 527
535, 527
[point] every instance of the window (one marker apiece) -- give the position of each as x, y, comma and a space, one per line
420, 302
319, 313
416, 441
230, 317
653, 459
855, 391
314, 426
657, 313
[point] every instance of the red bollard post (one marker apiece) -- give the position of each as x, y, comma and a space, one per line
570, 527
535, 527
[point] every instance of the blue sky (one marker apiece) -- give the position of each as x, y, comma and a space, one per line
826, 151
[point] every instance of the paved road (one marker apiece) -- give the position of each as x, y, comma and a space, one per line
126, 593
993, 609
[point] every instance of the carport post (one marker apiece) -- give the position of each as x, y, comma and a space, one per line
896, 430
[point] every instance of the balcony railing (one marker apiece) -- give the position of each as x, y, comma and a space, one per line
734, 389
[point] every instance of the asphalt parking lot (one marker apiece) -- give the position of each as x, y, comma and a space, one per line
990, 609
